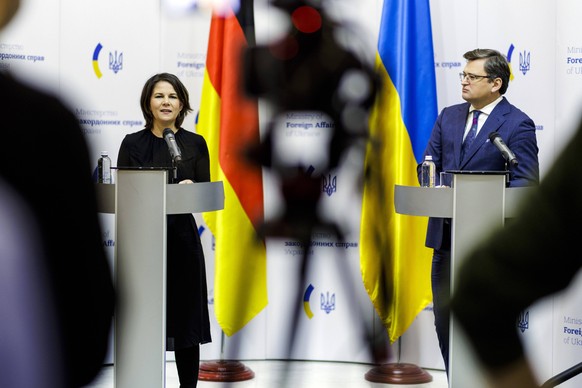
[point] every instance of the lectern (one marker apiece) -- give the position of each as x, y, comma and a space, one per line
140, 200
477, 202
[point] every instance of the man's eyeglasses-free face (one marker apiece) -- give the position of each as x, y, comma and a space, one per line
472, 77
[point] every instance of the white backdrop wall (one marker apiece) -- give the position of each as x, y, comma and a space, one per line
97, 54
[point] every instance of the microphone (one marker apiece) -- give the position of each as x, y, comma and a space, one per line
503, 148
172, 145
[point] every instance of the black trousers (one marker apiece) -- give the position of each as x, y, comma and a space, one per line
441, 293
188, 365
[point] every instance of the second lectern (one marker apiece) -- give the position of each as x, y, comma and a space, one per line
477, 202
141, 199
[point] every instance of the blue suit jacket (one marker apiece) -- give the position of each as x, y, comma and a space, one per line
515, 128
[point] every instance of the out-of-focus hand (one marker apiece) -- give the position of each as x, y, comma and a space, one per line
185, 182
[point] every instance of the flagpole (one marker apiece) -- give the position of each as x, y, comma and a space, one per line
398, 372
406, 110
224, 370
226, 113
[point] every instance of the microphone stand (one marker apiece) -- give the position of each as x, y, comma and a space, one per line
563, 376
175, 171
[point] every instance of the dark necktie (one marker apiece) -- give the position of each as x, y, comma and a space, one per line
471, 135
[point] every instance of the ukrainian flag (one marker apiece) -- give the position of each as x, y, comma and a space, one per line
394, 262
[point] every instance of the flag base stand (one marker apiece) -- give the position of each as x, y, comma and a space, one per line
398, 373
225, 371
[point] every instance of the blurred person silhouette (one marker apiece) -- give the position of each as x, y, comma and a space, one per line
30, 356
484, 81
533, 256
165, 103
63, 203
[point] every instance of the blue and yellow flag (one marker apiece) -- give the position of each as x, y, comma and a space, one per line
395, 263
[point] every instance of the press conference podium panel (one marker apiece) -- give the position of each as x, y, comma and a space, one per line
477, 202
140, 200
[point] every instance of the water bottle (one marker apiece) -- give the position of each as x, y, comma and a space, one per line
104, 168
427, 172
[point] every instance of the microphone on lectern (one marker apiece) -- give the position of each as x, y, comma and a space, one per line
503, 148
172, 145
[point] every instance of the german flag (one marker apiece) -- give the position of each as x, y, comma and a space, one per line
228, 120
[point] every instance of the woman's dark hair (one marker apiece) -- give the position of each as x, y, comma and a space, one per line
496, 65
148, 89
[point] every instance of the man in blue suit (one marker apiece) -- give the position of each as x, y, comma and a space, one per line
484, 81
